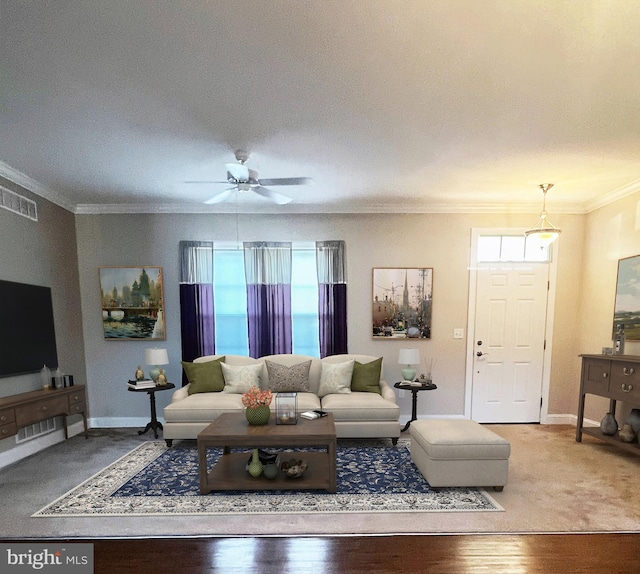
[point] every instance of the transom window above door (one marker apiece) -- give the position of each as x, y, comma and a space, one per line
502, 248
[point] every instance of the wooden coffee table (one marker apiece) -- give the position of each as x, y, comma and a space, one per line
233, 430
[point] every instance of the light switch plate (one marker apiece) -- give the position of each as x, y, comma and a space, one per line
458, 333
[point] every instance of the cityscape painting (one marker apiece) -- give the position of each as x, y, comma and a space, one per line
627, 306
402, 300
132, 303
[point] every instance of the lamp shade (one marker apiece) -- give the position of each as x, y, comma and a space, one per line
156, 357
409, 357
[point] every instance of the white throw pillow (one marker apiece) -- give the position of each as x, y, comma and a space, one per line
240, 379
335, 378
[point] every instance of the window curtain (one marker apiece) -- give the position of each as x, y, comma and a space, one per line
197, 323
267, 268
332, 296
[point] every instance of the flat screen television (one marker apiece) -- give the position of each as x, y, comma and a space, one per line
27, 334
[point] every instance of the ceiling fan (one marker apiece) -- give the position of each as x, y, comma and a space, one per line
244, 179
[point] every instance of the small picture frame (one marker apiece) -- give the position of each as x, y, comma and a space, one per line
402, 302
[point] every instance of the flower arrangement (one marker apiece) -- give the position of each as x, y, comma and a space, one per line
256, 397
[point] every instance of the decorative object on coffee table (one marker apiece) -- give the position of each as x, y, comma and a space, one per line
286, 408
257, 403
608, 424
294, 468
255, 466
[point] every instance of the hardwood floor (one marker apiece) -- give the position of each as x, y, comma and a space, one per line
460, 554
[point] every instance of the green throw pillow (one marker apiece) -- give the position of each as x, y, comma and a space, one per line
366, 377
204, 377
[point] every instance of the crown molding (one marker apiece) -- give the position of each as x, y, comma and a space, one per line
32, 185
614, 195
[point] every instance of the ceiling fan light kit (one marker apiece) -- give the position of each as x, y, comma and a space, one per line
544, 232
244, 180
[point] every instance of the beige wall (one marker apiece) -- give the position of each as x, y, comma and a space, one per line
441, 241
45, 253
611, 233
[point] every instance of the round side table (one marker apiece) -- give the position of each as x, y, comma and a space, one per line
153, 423
415, 389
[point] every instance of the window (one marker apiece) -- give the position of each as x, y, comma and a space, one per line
230, 302
510, 248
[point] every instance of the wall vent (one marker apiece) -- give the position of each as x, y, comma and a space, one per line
35, 430
17, 203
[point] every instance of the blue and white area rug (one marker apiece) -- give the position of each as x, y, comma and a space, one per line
373, 477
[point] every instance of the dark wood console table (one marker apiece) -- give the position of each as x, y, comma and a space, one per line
21, 410
616, 377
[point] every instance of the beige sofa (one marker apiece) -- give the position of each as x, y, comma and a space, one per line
357, 414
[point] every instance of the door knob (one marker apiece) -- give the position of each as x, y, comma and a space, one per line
481, 354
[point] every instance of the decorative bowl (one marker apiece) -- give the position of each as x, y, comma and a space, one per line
293, 468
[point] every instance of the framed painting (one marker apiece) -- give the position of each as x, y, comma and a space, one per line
627, 307
132, 303
402, 300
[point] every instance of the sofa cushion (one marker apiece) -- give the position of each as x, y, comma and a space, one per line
240, 379
366, 376
293, 379
202, 407
358, 406
204, 377
336, 378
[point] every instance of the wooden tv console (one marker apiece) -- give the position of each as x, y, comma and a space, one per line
616, 377
25, 409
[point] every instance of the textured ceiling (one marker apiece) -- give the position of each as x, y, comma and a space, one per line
389, 105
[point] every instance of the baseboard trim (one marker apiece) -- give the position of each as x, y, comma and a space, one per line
28, 448
119, 422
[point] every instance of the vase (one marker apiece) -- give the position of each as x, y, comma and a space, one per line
609, 425
259, 415
271, 470
255, 466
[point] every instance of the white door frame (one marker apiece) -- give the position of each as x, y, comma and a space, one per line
551, 297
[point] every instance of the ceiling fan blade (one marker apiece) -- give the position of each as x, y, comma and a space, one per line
272, 195
237, 172
208, 182
286, 181
220, 197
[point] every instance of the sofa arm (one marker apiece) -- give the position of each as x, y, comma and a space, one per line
181, 393
386, 391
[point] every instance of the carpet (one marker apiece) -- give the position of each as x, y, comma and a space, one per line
373, 477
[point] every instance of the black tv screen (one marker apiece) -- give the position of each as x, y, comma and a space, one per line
27, 334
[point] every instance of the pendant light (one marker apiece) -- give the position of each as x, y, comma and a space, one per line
544, 233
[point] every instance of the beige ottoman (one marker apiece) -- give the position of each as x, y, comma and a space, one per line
459, 453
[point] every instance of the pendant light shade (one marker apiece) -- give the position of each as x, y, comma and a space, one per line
544, 233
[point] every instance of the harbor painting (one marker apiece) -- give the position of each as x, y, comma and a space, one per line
402, 300
627, 306
132, 303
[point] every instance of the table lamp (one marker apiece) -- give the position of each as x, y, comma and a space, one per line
156, 357
409, 357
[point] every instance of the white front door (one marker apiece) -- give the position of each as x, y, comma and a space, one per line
508, 344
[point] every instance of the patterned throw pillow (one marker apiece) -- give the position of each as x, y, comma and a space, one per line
283, 379
366, 377
335, 378
204, 377
240, 379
